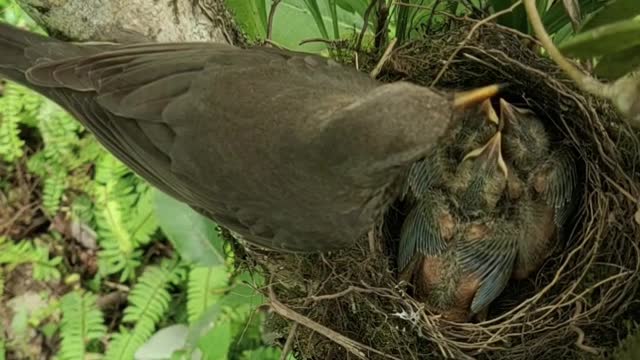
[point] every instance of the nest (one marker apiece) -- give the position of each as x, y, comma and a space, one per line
349, 304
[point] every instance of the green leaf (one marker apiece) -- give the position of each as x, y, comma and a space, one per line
292, 21
604, 40
82, 322
333, 8
354, 6
557, 18
206, 286
216, 343
263, 353
612, 12
163, 343
251, 15
241, 296
517, 19
194, 236
312, 6
614, 66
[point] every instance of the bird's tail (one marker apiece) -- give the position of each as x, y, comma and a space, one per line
21, 49
15, 57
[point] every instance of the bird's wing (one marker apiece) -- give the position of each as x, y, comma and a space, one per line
424, 175
421, 232
490, 259
539, 229
559, 185
293, 151
207, 123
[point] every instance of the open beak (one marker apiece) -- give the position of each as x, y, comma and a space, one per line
465, 99
510, 114
491, 152
489, 112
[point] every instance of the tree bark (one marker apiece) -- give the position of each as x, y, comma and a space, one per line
127, 21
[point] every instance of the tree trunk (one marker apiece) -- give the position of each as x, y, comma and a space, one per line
127, 21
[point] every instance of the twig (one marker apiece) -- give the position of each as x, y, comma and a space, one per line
584, 81
320, 40
372, 241
340, 294
619, 187
352, 346
387, 53
7, 224
272, 13
117, 286
471, 32
580, 340
289, 343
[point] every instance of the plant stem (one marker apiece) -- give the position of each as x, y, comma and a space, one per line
584, 81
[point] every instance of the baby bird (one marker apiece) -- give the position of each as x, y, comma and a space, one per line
442, 165
459, 256
546, 198
526, 142
481, 178
474, 129
545, 210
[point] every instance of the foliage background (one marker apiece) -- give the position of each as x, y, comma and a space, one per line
96, 264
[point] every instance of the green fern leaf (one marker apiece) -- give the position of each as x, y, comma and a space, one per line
143, 224
206, 286
82, 322
54, 187
26, 252
123, 345
125, 218
148, 303
11, 115
60, 134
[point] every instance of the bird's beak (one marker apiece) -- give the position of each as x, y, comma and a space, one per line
491, 152
489, 112
465, 99
509, 113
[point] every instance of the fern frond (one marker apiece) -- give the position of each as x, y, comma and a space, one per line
44, 268
60, 134
143, 224
205, 287
148, 303
82, 322
54, 187
18, 105
124, 345
125, 218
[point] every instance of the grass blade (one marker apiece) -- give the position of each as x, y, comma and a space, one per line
333, 9
312, 6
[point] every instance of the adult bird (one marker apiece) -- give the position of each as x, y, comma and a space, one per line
291, 151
